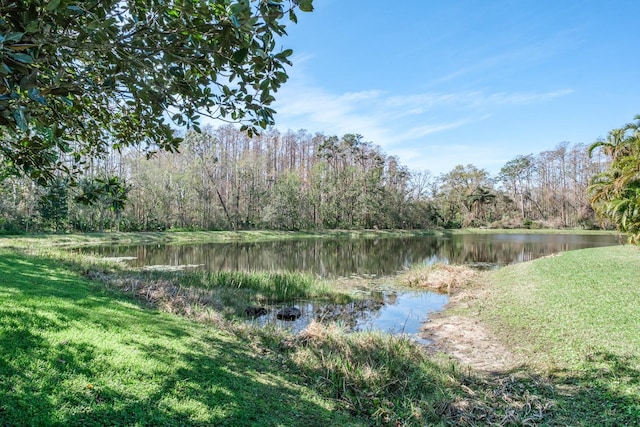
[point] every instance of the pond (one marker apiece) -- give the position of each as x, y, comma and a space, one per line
388, 310
332, 258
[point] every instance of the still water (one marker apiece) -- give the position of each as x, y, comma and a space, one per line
331, 258
391, 311
394, 311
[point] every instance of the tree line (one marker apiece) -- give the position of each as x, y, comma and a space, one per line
90, 92
223, 179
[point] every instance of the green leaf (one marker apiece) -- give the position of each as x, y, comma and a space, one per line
32, 26
30, 81
53, 5
35, 95
13, 37
75, 9
21, 122
240, 55
4, 68
281, 76
306, 5
22, 57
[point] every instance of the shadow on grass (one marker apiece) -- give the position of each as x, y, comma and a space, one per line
605, 393
71, 355
391, 383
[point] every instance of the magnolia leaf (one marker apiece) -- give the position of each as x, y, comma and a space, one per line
53, 5
240, 55
30, 81
19, 117
306, 5
32, 26
22, 57
22, 46
75, 9
12, 37
35, 95
4, 68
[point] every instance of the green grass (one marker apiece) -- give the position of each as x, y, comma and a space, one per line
73, 354
579, 303
575, 318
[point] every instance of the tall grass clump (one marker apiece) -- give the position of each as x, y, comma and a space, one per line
268, 286
388, 380
226, 292
391, 381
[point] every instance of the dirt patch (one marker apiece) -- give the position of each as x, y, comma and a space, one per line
465, 338
467, 341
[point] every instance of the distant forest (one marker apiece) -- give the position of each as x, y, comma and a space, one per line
224, 180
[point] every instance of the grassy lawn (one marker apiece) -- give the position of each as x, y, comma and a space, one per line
575, 318
74, 355
528, 231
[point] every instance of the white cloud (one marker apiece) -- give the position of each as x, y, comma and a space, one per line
403, 125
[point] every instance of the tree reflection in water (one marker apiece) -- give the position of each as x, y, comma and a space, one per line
332, 258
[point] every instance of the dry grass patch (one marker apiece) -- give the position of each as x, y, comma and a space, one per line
197, 303
441, 278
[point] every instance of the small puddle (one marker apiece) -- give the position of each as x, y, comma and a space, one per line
392, 312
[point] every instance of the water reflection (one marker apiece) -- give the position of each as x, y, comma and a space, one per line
333, 258
389, 312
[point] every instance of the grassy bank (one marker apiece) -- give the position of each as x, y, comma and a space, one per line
580, 303
74, 354
572, 318
528, 231
94, 352
77, 352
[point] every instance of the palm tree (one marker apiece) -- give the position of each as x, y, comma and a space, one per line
615, 193
477, 199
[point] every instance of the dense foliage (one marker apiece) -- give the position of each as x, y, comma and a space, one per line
615, 193
78, 77
222, 179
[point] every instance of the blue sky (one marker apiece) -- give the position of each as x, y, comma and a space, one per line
440, 83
